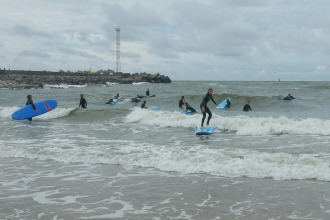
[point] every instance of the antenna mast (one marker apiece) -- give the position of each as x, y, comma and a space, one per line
118, 65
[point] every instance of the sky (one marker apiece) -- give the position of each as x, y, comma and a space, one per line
247, 40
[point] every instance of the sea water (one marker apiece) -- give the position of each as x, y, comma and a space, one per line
124, 162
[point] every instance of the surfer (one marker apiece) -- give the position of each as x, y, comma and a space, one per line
290, 96
181, 102
247, 106
83, 102
228, 104
204, 107
189, 108
116, 96
148, 92
30, 102
136, 98
109, 102
144, 104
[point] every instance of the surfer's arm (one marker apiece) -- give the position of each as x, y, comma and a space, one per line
213, 101
35, 108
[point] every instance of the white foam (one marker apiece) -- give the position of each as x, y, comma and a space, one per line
228, 162
111, 83
6, 112
242, 125
139, 83
62, 86
56, 113
162, 118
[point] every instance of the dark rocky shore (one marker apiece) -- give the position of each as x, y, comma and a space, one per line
14, 79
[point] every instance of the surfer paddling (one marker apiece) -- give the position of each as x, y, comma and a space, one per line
204, 107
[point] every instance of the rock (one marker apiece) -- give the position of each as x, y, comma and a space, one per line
37, 79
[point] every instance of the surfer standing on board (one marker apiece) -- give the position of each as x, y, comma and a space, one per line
83, 102
204, 107
30, 102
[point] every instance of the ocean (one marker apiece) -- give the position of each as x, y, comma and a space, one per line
124, 162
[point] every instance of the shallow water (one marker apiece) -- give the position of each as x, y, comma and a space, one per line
124, 162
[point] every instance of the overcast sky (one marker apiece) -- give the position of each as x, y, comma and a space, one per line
183, 39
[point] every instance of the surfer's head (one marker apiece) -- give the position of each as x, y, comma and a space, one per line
81, 95
210, 91
29, 96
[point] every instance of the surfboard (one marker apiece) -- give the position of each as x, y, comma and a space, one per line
187, 112
223, 104
113, 102
150, 96
154, 107
29, 112
288, 98
205, 131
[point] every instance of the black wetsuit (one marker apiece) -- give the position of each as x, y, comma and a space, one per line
206, 99
228, 104
189, 108
83, 103
30, 102
247, 107
147, 93
181, 103
143, 105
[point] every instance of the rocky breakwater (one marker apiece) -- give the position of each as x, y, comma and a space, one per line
37, 79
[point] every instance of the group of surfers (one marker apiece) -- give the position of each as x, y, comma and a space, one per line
203, 106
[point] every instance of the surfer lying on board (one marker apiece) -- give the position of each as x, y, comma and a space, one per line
109, 102
204, 107
189, 108
30, 102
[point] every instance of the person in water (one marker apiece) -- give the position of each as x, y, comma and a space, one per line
144, 104
189, 108
204, 107
148, 92
228, 104
181, 102
136, 98
247, 106
109, 102
116, 96
30, 102
290, 96
83, 102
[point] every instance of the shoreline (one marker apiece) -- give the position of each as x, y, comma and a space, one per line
18, 79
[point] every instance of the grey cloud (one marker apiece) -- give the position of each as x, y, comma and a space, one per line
33, 53
25, 31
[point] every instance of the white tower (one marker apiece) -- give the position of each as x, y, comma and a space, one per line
118, 65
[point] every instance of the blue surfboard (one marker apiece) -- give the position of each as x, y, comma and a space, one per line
29, 112
113, 102
154, 107
287, 98
205, 131
223, 104
187, 112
